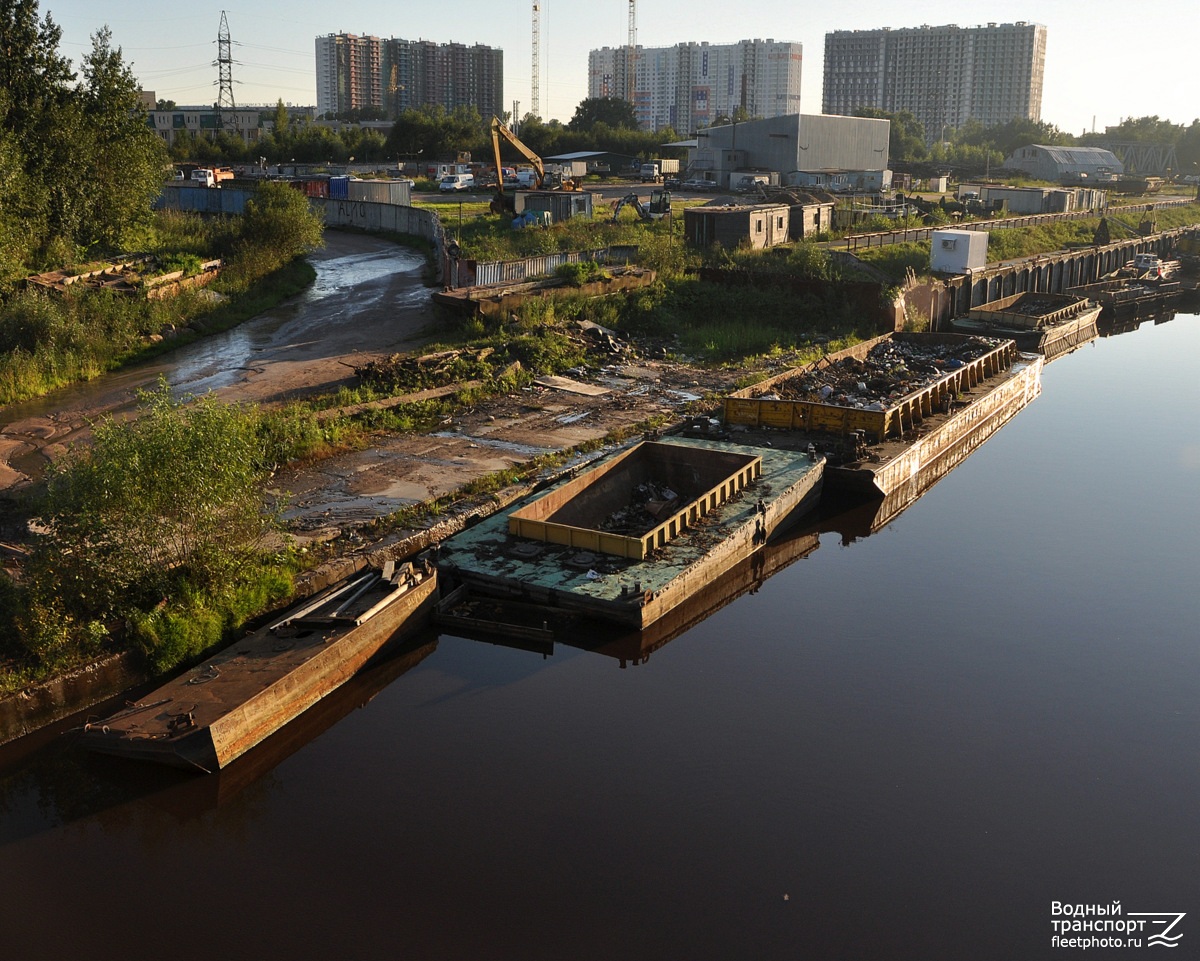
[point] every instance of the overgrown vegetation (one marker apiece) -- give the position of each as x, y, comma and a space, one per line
48, 340
154, 534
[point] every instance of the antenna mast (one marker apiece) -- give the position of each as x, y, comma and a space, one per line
535, 100
225, 73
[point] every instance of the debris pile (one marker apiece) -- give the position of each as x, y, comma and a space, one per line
422, 371
649, 505
891, 370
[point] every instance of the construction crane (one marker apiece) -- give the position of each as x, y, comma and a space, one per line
631, 53
535, 103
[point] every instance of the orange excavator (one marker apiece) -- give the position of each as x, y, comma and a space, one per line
503, 203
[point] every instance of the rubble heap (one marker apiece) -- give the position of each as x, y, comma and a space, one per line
891, 370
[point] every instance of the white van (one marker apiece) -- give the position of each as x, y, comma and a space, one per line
457, 182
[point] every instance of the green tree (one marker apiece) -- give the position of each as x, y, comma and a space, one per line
612, 111
906, 136
123, 160
282, 119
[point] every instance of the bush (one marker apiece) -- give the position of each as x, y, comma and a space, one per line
173, 496
581, 272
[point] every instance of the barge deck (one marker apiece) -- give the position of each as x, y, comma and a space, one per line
715, 504
1043, 323
211, 715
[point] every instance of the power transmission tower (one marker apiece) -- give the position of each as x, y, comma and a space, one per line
535, 101
224, 66
631, 53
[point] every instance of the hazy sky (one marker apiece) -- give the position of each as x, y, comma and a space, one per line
1105, 60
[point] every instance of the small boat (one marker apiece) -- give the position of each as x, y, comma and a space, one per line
1042, 323
209, 716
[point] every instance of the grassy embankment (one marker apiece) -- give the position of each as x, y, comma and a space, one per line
1012, 243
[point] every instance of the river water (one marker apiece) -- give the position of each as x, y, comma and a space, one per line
904, 745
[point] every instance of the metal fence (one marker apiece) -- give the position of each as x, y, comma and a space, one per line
516, 271
904, 235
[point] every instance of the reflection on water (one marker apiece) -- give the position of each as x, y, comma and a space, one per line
69, 784
907, 746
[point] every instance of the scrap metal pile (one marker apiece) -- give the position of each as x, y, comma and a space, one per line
649, 504
892, 369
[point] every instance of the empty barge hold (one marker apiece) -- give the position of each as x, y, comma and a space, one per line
1044, 323
634, 536
211, 715
892, 414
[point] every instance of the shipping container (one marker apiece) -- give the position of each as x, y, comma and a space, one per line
339, 188
381, 191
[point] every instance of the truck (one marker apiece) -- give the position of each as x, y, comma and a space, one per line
210, 176
653, 171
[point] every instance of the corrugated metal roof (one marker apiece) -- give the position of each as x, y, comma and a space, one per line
1081, 156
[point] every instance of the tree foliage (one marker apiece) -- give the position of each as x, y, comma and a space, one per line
611, 111
277, 226
79, 150
171, 497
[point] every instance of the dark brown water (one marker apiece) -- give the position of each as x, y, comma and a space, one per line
906, 745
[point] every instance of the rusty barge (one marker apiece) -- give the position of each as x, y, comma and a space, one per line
1044, 323
633, 537
902, 435
209, 716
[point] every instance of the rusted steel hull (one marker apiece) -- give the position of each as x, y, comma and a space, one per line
1050, 341
912, 443
206, 718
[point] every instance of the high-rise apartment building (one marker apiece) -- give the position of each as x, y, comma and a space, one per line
349, 73
944, 76
689, 85
392, 75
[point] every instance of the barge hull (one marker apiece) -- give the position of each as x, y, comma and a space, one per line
212, 715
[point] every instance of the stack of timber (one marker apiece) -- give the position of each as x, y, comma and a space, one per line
901, 422
213, 714
1045, 323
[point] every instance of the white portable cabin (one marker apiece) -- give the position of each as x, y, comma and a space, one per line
957, 251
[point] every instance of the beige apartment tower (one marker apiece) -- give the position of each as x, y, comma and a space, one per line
944, 76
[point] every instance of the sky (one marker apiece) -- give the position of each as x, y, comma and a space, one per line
1104, 61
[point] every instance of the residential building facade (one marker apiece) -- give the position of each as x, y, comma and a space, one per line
689, 85
944, 75
357, 73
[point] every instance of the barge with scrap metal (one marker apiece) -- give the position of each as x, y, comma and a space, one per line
893, 412
209, 716
1044, 323
632, 537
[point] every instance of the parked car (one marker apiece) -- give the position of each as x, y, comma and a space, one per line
455, 182
698, 184
672, 183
